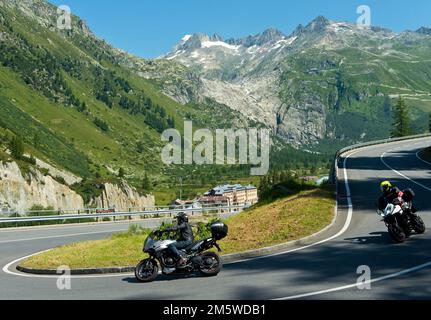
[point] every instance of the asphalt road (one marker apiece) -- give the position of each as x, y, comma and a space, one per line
326, 270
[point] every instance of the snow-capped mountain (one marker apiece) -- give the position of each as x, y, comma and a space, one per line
313, 85
212, 53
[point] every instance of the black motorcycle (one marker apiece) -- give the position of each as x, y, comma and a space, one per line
401, 217
199, 259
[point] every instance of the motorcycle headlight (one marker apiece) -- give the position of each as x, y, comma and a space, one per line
389, 210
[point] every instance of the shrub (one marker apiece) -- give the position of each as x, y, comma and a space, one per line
101, 124
60, 180
17, 147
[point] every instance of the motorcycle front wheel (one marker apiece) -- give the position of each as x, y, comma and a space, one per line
146, 271
397, 234
418, 225
211, 264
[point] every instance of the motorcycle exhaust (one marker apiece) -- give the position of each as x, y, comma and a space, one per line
169, 270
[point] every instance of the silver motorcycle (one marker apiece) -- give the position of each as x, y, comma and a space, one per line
199, 259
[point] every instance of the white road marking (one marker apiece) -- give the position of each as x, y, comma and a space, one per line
382, 158
350, 286
69, 226
80, 225
390, 276
420, 158
27, 275
60, 236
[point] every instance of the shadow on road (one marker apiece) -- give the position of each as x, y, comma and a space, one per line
372, 238
164, 278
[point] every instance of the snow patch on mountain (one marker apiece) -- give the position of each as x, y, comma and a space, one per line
209, 44
186, 38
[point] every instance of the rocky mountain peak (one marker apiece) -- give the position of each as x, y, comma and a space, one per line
270, 35
192, 42
216, 37
318, 24
424, 30
300, 29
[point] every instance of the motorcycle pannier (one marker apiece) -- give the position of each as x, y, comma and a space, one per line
219, 230
408, 195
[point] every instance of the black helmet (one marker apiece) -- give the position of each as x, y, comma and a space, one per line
182, 217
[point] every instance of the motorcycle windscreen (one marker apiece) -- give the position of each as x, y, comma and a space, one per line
148, 244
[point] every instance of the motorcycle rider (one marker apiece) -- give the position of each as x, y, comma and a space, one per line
390, 194
185, 239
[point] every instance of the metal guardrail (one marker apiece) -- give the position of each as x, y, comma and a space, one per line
150, 213
334, 174
92, 210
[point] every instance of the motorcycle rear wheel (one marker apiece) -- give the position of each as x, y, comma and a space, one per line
211, 265
418, 225
146, 271
397, 234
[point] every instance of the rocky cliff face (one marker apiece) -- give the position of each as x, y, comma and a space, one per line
68, 177
21, 193
122, 197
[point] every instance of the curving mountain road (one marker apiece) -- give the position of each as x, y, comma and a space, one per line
326, 270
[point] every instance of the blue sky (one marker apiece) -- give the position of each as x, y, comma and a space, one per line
151, 28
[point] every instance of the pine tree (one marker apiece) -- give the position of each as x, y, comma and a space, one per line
17, 147
82, 107
263, 184
285, 176
401, 124
36, 140
146, 184
121, 173
140, 147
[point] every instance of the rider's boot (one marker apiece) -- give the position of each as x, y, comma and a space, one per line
181, 262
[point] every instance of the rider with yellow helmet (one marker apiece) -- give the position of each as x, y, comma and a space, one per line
389, 194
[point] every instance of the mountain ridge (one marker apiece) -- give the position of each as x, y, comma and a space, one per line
256, 78
319, 24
